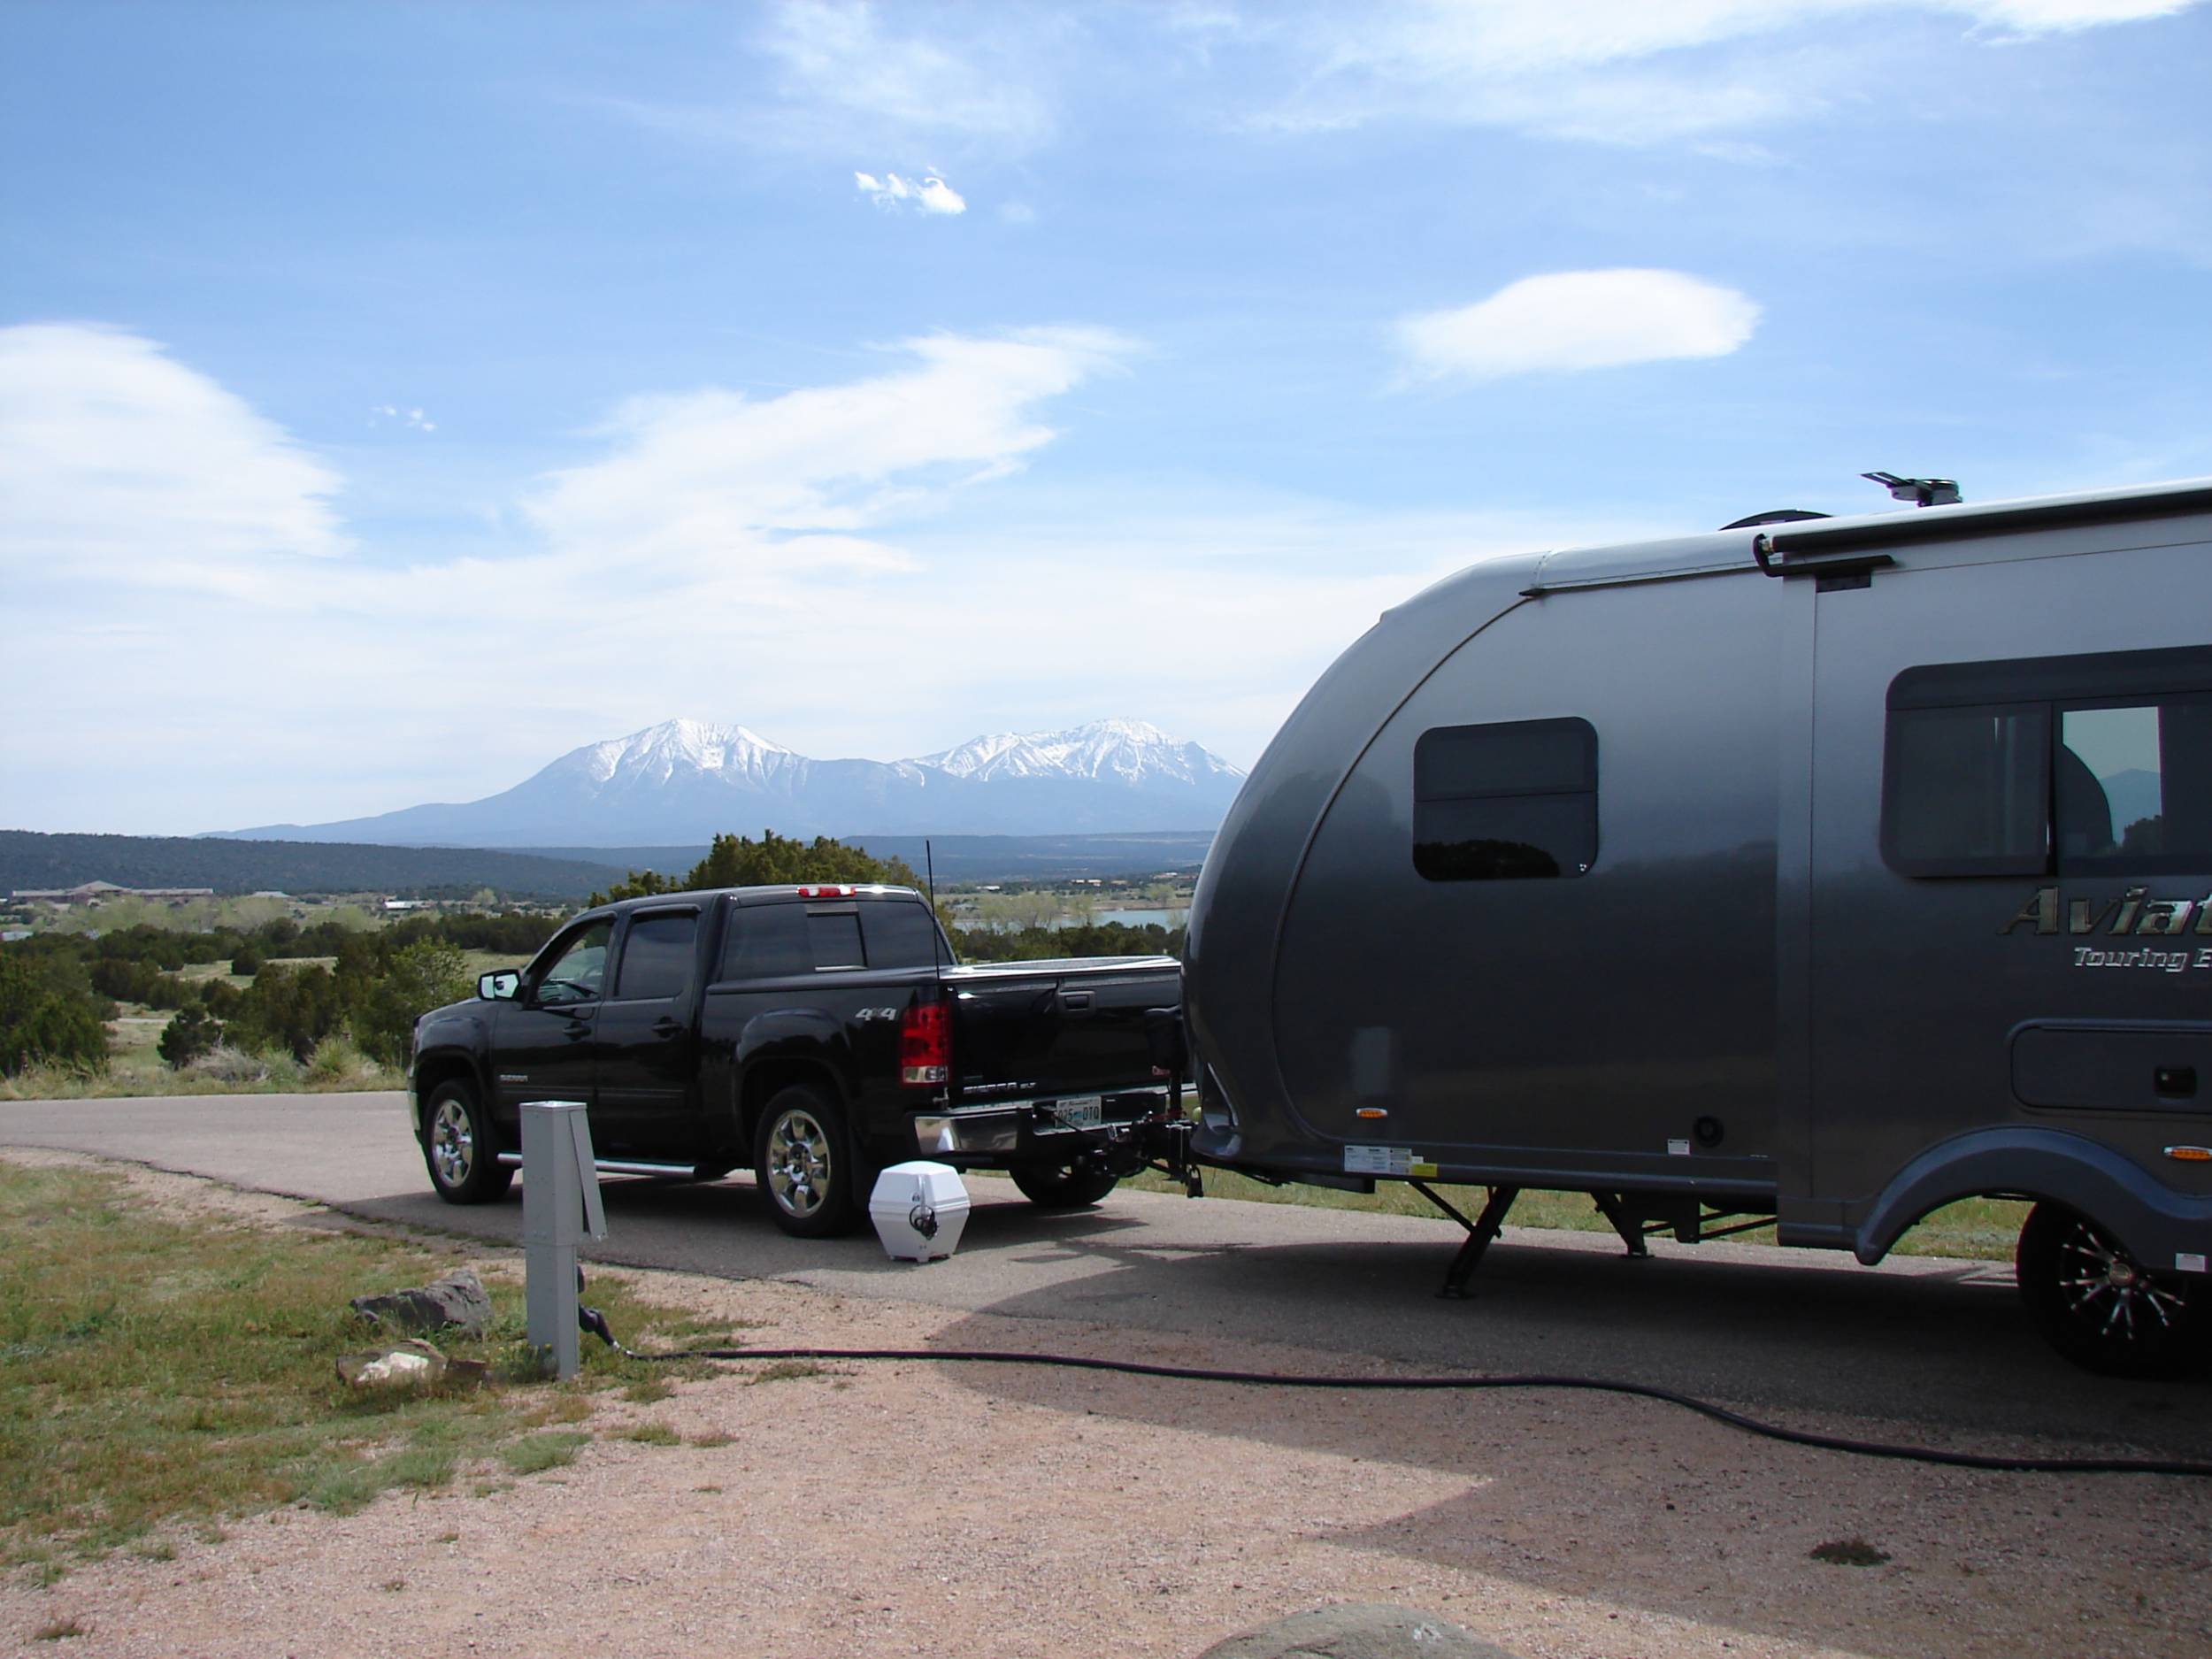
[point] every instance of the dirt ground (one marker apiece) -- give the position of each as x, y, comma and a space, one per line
941, 1509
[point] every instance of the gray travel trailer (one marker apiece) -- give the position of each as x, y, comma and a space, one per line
1825, 870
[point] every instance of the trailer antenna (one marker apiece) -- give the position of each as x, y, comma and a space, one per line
1922, 492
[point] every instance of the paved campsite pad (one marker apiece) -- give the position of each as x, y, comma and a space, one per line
934, 1509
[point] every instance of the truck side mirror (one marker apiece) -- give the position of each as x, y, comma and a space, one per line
499, 986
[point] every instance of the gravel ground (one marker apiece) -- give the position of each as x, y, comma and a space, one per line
936, 1509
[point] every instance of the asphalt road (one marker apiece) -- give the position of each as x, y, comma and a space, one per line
1918, 1349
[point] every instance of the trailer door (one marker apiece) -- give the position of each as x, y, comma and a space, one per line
1988, 722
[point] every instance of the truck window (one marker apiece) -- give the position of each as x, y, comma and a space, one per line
657, 955
766, 941
833, 934
900, 935
775, 941
2075, 766
575, 974
1504, 801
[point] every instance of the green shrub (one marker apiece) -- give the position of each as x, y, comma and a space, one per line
418, 978
42, 1022
289, 1009
193, 1032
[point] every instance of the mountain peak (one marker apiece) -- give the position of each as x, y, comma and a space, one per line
684, 781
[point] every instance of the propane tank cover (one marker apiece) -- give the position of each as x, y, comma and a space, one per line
919, 1209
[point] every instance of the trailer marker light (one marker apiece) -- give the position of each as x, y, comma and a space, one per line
1372, 1111
2191, 1154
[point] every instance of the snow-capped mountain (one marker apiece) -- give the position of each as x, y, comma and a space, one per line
1133, 751
684, 782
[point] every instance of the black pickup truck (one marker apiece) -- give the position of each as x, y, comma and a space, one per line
816, 1033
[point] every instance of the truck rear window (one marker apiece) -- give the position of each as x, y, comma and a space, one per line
900, 935
775, 941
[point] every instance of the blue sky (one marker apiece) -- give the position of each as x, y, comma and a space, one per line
395, 398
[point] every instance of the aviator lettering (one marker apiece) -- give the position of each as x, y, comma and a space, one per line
2134, 911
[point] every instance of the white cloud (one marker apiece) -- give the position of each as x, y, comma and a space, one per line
929, 192
694, 560
1612, 70
414, 419
115, 459
1578, 320
852, 59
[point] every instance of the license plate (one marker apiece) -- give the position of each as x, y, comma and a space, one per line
1085, 1112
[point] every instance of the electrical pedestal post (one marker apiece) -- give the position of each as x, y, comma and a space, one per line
560, 1206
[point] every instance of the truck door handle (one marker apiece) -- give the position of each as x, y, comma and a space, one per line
666, 1026
576, 1030
1075, 1001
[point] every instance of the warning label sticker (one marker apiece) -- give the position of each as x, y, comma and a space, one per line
1401, 1161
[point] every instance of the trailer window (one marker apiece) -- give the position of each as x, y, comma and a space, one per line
1506, 802
1967, 791
2066, 764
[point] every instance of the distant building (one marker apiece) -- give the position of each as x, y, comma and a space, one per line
99, 892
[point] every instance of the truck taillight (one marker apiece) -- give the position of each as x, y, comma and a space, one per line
926, 1045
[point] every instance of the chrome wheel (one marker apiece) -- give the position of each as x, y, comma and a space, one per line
2096, 1304
799, 1163
2109, 1294
452, 1144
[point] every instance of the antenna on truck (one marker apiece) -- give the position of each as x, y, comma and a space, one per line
936, 922
1922, 492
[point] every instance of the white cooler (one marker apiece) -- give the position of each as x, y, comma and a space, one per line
919, 1209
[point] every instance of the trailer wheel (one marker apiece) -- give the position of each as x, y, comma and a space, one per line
803, 1158
2097, 1304
458, 1146
1076, 1185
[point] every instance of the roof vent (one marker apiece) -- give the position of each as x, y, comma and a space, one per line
1779, 515
1922, 492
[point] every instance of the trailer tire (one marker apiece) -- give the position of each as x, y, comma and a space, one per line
804, 1160
1076, 1185
2097, 1304
459, 1148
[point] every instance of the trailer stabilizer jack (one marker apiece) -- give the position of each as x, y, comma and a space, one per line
1481, 1233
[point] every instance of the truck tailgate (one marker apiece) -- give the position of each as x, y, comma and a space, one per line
1037, 1030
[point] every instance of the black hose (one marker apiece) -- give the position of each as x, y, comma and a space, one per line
1590, 1385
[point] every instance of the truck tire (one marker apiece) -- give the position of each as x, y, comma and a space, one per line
803, 1158
1076, 1185
459, 1148
2098, 1305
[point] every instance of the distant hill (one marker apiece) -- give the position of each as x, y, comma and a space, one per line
32, 860
682, 782
966, 857
555, 874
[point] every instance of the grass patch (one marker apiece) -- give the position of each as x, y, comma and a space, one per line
158, 1374
785, 1370
534, 1453
652, 1434
1981, 1229
60, 1630
713, 1440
